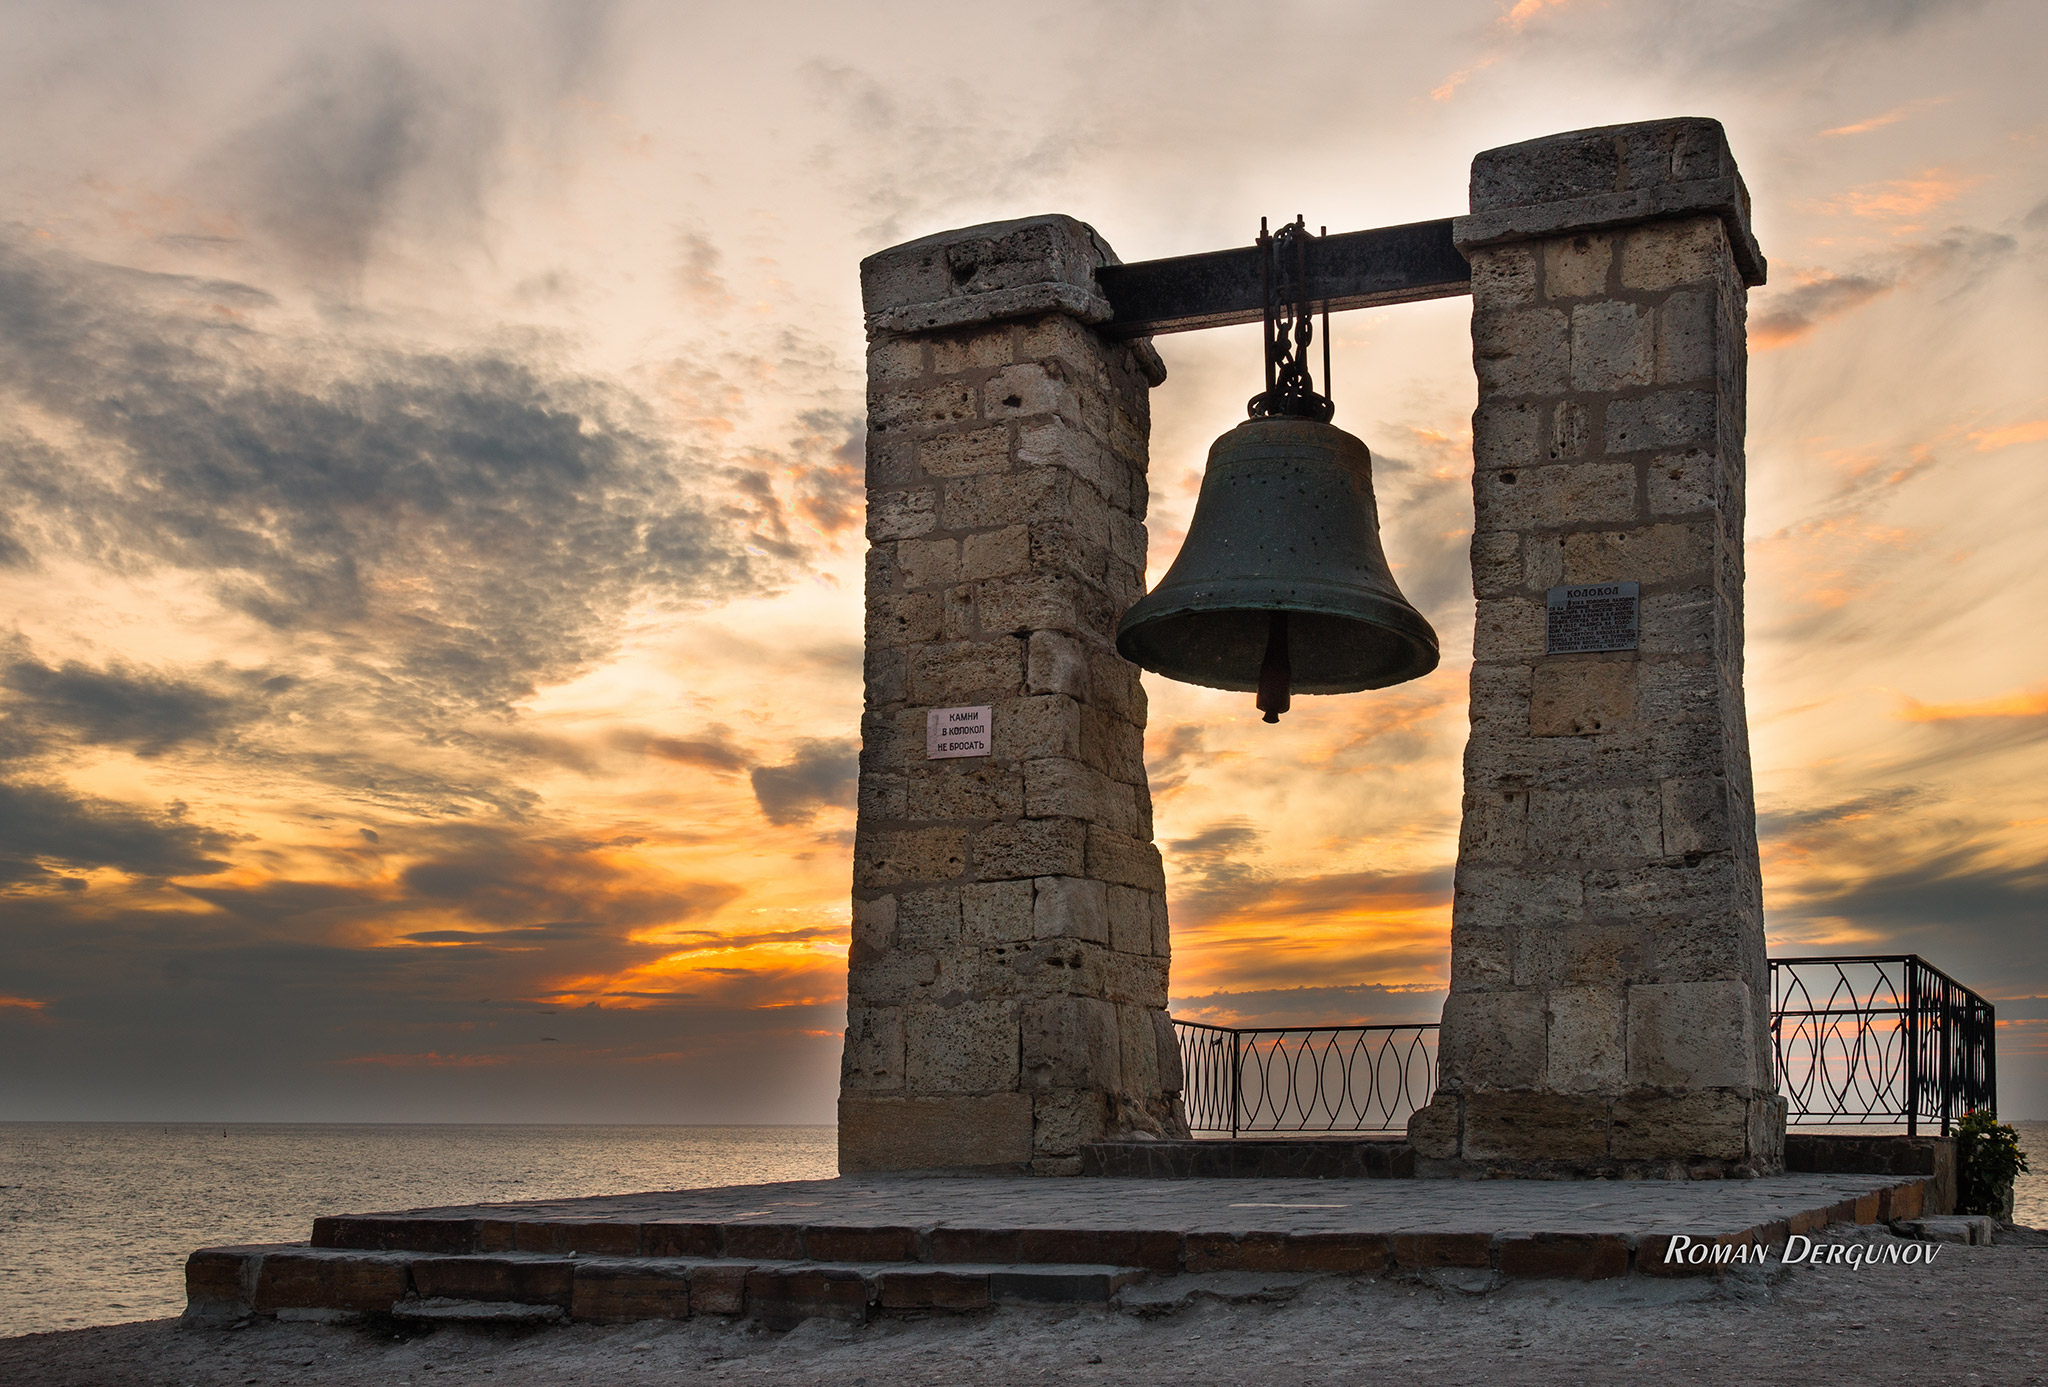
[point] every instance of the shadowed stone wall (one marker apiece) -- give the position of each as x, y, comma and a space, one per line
1007, 981
1609, 1004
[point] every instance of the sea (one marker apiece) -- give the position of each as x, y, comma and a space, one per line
96, 1218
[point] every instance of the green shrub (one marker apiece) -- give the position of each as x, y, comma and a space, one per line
1988, 1156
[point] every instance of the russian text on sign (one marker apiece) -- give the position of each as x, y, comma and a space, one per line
1596, 616
958, 732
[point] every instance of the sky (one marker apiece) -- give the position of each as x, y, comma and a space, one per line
430, 510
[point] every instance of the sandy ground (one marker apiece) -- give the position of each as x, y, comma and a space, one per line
1976, 1315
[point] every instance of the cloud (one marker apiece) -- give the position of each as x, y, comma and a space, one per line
822, 774
1900, 199
1990, 440
146, 711
1788, 315
315, 488
2029, 704
1956, 261
1891, 117
47, 824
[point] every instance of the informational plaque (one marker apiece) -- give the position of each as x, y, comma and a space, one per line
957, 732
1598, 616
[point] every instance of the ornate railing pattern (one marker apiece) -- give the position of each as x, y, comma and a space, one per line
1858, 1041
1880, 1040
1305, 1078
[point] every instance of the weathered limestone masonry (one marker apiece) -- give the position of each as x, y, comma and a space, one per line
1609, 1004
1007, 983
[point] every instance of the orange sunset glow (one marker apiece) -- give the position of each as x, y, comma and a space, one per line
431, 676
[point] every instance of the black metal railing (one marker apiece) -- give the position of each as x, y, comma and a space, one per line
1305, 1078
1858, 1041
1880, 1040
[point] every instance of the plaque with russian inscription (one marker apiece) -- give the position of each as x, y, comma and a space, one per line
1593, 617
957, 732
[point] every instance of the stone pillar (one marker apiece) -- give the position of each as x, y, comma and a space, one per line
1609, 1008
1007, 980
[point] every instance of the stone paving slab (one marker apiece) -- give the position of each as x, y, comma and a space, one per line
1182, 1206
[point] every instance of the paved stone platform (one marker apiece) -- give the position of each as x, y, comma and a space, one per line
856, 1246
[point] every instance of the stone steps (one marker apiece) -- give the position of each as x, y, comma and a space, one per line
297, 1281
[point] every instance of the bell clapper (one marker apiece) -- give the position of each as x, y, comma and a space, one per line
1276, 677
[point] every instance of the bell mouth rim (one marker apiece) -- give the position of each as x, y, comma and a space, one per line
1344, 604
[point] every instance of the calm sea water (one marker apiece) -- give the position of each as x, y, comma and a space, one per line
96, 1218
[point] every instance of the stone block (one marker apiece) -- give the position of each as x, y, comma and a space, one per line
719, 1289
904, 618
1524, 351
981, 262
1704, 889
896, 359
1067, 1119
1508, 629
1682, 484
1495, 827
965, 1047
1580, 1256
1667, 419
991, 1131
1580, 697
933, 1288
607, 1291
1503, 277
1551, 496
1494, 1038
1663, 255
529, 1281
1507, 898
1522, 1126
892, 857
969, 454
1508, 433
357, 1282
1070, 908
1037, 726
1695, 812
1415, 1251
1129, 911
873, 1058
1482, 959
891, 462
1651, 554
995, 553
1613, 346
1698, 1126
1580, 952
1587, 1047
1576, 267
1686, 347
1677, 623
1123, 860
874, 923
1595, 825
1070, 1043
929, 563
967, 787
1113, 745
920, 406
1041, 496
1031, 848
1057, 663
1691, 1035
928, 921
1496, 563
996, 912
1043, 600
1033, 388
902, 514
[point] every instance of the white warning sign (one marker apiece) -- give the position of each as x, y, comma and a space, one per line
957, 732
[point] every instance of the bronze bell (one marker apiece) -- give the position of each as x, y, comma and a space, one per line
1281, 586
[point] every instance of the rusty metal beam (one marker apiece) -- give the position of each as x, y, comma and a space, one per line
1353, 269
